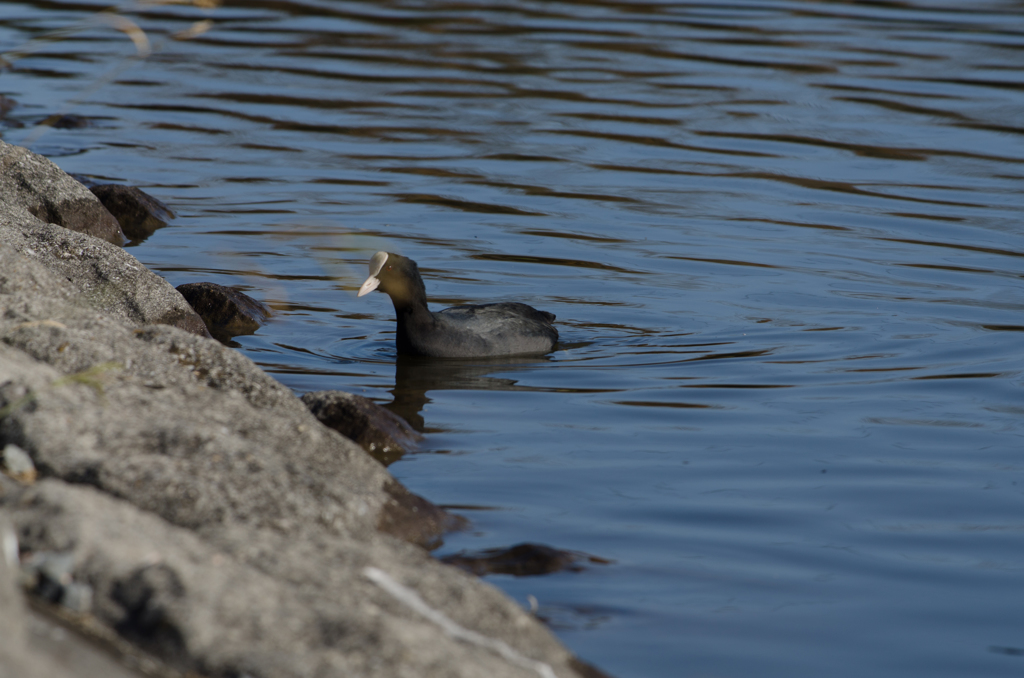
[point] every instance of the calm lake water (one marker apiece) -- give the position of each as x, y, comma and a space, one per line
784, 242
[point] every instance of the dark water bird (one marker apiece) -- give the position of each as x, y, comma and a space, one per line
468, 331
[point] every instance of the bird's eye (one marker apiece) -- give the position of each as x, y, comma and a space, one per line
389, 268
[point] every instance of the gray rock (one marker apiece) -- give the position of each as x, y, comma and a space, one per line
101, 276
12, 619
77, 597
216, 523
49, 575
18, 657
32, 183
138, 213
226, 311
179, 425
266, 604
54, 566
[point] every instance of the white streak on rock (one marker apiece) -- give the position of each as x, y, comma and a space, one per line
10, 547
410, 598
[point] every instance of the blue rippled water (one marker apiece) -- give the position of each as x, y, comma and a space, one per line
783, 241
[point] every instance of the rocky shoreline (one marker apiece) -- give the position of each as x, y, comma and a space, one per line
166, 498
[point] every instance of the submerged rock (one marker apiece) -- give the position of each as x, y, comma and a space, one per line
521, 560
226, 311
7, 104
383, 434
138, 213
67, 121
412, 518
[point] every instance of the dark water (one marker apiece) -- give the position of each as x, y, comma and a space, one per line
784, 241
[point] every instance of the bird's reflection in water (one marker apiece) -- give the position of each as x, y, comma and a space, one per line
416, 376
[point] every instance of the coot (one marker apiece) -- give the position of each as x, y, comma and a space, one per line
470, 331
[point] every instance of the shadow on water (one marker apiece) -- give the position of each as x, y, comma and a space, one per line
417, 376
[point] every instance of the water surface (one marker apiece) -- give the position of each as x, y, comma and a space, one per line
783, 241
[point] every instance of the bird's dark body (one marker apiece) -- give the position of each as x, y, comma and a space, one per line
469, 331
474, 331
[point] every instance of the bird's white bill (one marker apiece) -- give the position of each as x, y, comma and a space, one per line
370, 285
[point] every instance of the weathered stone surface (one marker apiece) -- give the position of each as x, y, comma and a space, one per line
198, 511
34, 184
175, 423
382, 433
138, 213
12, 608
226, 311
273, 607
100, 275
18, 659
